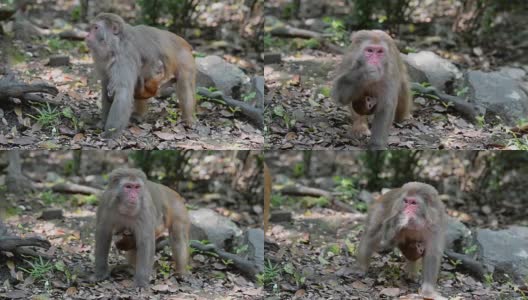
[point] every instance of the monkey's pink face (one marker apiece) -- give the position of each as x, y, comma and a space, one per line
410, 205
131, 196
374, 54
97, 39
95, 31
412, 208
132, 192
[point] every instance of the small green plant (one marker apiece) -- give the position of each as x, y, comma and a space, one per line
519, 143
242, 249
249, 97
173, 115
281, 112
462, 91
480, 121
335, 249
298, 169
49, 197
488, 279
76, 14
164, 268
392, 273
270, 276
47, 116
67, 112
325, 91
351, 247
311, 44
336, 30
90, 200
346, 187
455, 263
289, 11
277, 200
61, 267
315, 201
38, 269
470, 250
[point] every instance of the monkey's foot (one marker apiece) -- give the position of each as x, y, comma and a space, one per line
428, 292
359, 130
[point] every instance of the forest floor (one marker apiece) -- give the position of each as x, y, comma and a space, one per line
312, 255
73, 123
301, 114
72, 239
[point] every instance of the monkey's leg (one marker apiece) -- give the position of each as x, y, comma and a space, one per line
131, 256
185, 92
382, 122
179, 240
411, 269
359, 124
103, 239
105, 103
369, 244
431, 263
120, 112
146, 242
403, 109
140, 109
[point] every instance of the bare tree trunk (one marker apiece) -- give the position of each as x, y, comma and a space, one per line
16, 182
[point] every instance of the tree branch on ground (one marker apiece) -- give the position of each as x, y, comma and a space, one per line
467, 109
254, 114
74, 188
23, 91
292, 32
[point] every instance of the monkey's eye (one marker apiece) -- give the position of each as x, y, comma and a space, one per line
380, 51
369, 50
96, 27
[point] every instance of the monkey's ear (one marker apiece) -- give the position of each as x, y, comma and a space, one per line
116, 28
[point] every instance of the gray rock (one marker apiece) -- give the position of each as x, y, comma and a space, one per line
51, 214
505, 251
257, 85
437, 70
254, 238
58, 60
208, 225
458, 235
513, 73
499, 94
214, 71
272, 58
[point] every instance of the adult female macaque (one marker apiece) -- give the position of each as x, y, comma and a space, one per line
139, 211
413, 219
372, 79
132, 63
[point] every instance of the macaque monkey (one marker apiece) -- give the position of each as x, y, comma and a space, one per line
139, 211
372, 70
413, 219
132, 63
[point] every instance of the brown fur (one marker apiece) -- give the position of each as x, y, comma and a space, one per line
133, 62
351, 87
384, 229
159, 208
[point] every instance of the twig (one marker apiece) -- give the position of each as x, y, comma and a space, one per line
254, 114
467, 109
